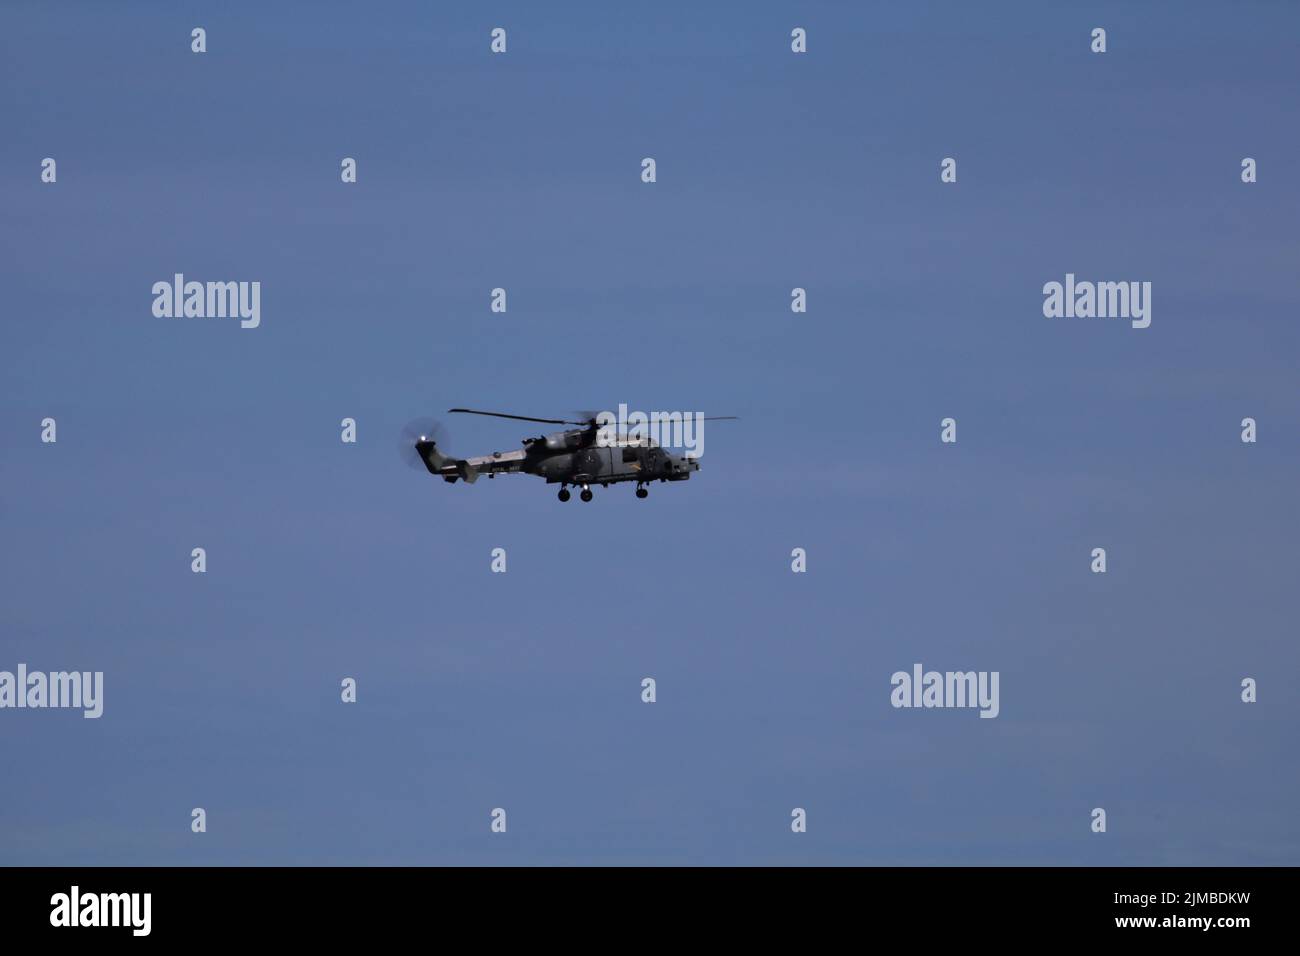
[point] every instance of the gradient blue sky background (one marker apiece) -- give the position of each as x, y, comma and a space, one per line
479, 690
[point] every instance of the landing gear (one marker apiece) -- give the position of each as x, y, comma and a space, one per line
641, 492
586, 493
564, 494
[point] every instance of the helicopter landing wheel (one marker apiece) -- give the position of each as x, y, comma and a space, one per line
641, 493
586, 493
564, 494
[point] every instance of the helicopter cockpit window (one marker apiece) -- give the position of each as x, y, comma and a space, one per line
629, 454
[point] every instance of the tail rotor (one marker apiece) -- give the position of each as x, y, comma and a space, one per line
421, 444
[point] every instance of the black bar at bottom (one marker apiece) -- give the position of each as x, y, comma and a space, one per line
336, 905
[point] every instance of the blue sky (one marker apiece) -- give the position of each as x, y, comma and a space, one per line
522, 690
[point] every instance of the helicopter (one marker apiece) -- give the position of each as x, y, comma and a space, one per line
580, 457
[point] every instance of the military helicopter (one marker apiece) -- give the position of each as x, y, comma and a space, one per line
574, 456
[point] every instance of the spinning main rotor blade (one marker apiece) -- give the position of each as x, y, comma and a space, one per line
589, 416
568, 421
519, 418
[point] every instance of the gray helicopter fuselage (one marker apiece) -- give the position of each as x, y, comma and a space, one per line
614, 463
575, 458
594, 454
